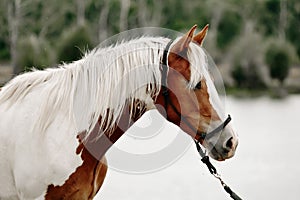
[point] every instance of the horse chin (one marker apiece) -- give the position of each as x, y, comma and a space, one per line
216, 157
214, 154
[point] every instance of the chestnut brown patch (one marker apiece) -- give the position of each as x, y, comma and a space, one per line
84, 183
87, 179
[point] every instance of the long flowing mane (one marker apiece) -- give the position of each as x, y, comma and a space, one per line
99, 84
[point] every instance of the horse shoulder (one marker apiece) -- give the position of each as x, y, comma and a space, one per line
85, 182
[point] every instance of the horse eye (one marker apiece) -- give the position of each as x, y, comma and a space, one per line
198, 86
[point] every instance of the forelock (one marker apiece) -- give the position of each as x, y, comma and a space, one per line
198, 64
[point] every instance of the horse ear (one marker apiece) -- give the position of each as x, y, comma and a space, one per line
199, 38
182, 45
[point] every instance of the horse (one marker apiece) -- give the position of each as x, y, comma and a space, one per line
57, 124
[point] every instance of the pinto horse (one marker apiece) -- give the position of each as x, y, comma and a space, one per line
56, 125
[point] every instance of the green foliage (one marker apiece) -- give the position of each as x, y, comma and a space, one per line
34, 53
293, 30
4, 43
247, 77
270, 16
74, 43
113, 17
278, 60
238, 34
4, 50
247, 61
239, 76
228, 29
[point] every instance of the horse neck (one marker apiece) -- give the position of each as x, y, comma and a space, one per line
98, 145
111, 78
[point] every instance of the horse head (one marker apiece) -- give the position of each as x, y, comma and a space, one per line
192, 101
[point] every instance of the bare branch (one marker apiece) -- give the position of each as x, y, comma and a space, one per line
103, 22
125, 6
14, 18
80, 12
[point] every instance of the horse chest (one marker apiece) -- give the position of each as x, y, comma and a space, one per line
84, 183
86, 180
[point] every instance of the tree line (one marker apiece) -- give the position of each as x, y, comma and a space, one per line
255, 39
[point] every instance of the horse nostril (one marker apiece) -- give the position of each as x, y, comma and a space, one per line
229, 143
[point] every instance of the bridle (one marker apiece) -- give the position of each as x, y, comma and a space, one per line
168, 102
199, 135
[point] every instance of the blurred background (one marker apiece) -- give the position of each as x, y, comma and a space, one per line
256, 46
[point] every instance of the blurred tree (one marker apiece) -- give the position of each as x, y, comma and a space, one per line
239, 76
269, 17
149, 13
74, 43
278, 60
124, 12
293, 30
4, 50
247, 59
80, 14
228, 29
4, 38
220, 33
229, 21
282, 24
247, 76
14, 17
38, 53
103, 29
177, 16
48, 20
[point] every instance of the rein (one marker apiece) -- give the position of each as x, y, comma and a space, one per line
201, 135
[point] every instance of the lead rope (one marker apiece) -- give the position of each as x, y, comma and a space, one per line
204, 157
213, 171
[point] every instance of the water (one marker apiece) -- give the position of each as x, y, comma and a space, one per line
265, 166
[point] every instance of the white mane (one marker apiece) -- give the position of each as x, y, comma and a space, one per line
100, 83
